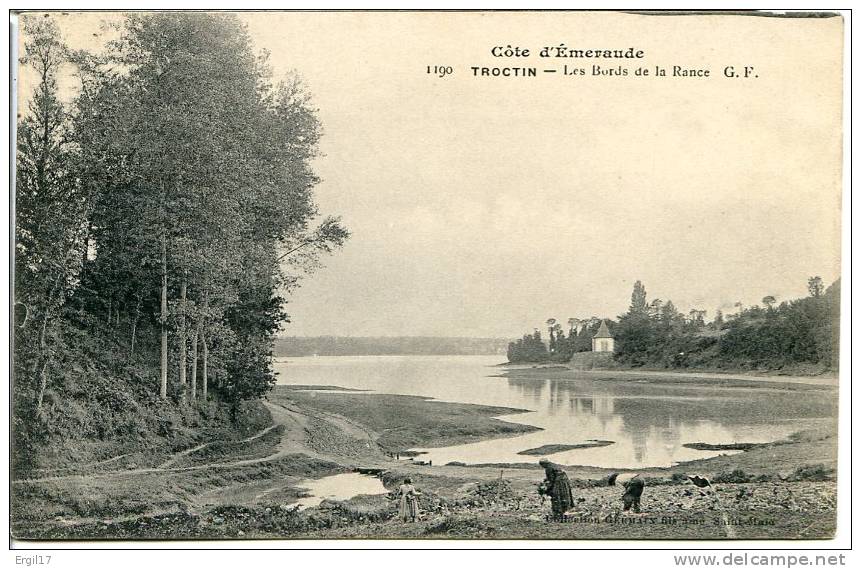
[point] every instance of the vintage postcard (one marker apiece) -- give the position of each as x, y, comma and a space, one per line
517, 275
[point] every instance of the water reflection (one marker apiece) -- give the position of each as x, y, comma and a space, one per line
649, 422
530, 389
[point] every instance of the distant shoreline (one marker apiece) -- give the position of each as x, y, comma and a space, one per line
500, 356
828, 378
305, 346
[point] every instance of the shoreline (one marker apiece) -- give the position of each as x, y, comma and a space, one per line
828, 378
754, 457
669, 378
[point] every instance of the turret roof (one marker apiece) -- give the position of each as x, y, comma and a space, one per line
603, 332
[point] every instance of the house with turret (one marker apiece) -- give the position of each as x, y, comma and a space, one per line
603, 340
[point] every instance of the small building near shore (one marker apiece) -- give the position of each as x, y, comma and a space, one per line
603, 341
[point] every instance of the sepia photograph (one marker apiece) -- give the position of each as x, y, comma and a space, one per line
426, 275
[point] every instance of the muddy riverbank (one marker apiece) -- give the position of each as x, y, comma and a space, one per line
250, 491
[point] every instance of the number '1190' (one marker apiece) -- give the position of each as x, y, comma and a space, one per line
439, 70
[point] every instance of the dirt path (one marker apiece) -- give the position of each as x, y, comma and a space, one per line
283, 449
87, 465
348, 426
141, 471
182, 454
178, 456
294, 440
295, 434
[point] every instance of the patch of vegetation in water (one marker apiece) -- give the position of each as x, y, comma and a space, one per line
554, 448
730, 446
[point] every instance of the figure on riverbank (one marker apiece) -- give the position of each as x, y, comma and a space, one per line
409, 510
699, 481
558, 487
633, 492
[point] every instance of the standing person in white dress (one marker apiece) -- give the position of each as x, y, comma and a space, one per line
409, 510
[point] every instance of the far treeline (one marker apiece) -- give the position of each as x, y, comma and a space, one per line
164, 210
794, 334
387, 346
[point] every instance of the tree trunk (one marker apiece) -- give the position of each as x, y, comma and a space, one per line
41, 345
202, 328
43, 332
205, 369
183, 336
135, 327
43, 383
85, 256
163, 391
194, 340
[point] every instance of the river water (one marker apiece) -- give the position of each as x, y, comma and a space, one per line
647, 422
338, 487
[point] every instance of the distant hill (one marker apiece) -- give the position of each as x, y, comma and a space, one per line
387, 346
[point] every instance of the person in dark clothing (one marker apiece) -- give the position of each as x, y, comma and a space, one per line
633, 493
558, 487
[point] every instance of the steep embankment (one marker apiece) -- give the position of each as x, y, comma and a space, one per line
101, 410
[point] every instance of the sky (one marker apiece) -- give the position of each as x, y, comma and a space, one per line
482, 206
